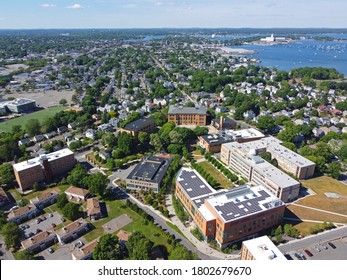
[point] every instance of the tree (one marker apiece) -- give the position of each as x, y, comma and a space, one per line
6, 174
97, 183
200, 130
126, 143
62, 200
77, 176
334, 169
181, 253
71, 211
143, 138
62, 101
25, 255
23, 202
108, 248
33, 127
265, 123
11, 234
139, 246
156, 142
3, 219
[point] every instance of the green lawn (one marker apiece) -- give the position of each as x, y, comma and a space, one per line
219, 177
40, 115
175, 228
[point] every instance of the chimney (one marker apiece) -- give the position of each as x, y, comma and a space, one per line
221, 120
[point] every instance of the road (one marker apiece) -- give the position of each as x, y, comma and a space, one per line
121, 194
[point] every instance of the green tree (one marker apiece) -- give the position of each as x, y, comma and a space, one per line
181, 253
62, 101
334, 169
23, 202
25, 255
156, 142
265, 123
3, 219
77, 176
139, 247
108, 248
33, 127
126, 143
11, 234
143, 138
200, 130
97, 183
71, 211
62, 200
6, 174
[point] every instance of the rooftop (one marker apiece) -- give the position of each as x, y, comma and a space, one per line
177, 110
243, 201
77, 191
21, 211
262, 248
85, 250
36, 239
44, 196
138, 124
73, 227
151, 169
38, 160
93, 206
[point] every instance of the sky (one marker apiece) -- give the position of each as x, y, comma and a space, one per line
48, 14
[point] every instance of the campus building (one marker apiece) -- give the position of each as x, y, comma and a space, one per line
187, 115
222, 123
213, 142
227, 215
141, 125
149, 173
244, 159
43, 168
261, 249
20, 105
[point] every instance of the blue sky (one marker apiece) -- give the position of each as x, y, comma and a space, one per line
33, 14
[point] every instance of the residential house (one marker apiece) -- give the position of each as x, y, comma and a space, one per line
335, 129
23, 214
85, 252
24, 141
249, 115
50, 135
40, 241
47, 198
62, 129
93, 208
74, 193
317, 132
73, 231
91, 134
105, 155
39, 138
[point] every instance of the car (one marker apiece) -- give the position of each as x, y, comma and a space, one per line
31, 234
317, 248
50, 215
79, 244
43, 218
308, 252
50, 250
39, 220
23, 227
53, 225
298, 256
324, 246
38, 231
332, 245
62, 219
26, 226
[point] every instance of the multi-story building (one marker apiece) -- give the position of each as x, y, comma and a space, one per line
43, 168
141, 125
261, 249
187, 115
40, 241
258, 171
20, 105
213, 142
47, 198
227, 215
73, 231
222, 123
22, 214
149, 173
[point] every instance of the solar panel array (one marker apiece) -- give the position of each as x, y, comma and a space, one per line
193, 185
235, 209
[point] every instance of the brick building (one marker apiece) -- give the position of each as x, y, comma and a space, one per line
141, 125
187, 115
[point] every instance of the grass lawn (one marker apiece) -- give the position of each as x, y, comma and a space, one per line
197, 155
321, 185
16, 195
175, 228
39, 115
219, 177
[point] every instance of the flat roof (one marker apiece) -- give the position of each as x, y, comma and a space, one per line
243, 201
262, 248
138, 124
178, 110
193, 184
216, 139
150, 169
244, 133
37, 161
20, 101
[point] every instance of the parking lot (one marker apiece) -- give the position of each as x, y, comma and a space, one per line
44, 225
338, 253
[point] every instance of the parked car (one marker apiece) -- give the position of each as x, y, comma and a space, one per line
298, 256
324, 246
50, 215
50, 250
308, 252
39, 220
317, 248
43, 218
62, 219
38, 231
79, 244
53, 225
332, 245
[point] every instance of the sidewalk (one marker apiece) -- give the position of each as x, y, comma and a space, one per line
202, 246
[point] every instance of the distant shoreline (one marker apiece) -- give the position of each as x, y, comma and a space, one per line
238, 51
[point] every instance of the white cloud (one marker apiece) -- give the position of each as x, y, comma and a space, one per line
46, 5
159, 3
75, 6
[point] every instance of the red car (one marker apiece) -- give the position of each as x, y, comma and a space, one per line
39, 220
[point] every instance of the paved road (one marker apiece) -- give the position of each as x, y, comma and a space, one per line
121, 194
